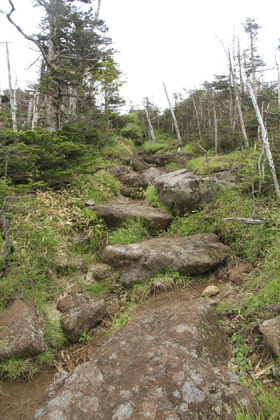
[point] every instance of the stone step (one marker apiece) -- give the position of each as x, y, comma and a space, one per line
196, 254
116, 213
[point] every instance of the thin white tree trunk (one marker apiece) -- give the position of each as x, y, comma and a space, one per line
97, 10
238, 102
29, 112
278, 71
237, 96
265, 141
197, 117
35, 110
174, 118
151, 130
11, 91
215, 125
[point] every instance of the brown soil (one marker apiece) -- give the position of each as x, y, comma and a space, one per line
19, 399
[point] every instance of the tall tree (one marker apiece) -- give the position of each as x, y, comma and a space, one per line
73, 46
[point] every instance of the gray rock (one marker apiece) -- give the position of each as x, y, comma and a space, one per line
138, 164
182, 191
167, 363
90, 202
164, 159
148, 177
116, 213
83, 315
195, 254
21, 331
117, 171
271, 332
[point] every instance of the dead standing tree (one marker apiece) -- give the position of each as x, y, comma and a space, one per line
174, 119
151, 130
12, 92
265, 141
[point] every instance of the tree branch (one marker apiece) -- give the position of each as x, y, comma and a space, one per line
28, 37
248, 221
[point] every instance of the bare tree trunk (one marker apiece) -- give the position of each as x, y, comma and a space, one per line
151, 130
197, 117
174, 118
72, 110
144, 127
35, 109
278, 71
97, 10
215, 125
238, 103
253, 65
237, 96
265, 141
240, 67
29, 112
12, 92
231, 107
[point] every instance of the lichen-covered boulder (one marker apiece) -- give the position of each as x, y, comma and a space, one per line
182, 191
116, 213
21, 331
167, 363
196, 254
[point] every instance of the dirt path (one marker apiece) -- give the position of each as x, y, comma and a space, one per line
19, 399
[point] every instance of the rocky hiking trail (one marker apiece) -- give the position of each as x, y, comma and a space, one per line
170, 360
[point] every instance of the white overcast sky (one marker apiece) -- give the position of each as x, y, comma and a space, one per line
174, 41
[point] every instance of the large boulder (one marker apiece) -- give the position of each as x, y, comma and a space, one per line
182, 191
195, 254
148, 177
83, 315
167, 363
21, 331
116, 213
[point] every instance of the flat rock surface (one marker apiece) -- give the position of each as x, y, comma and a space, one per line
116, 213
196, 254
21, 331
167, 363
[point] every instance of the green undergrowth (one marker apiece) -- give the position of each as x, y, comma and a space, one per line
98, 289
126, 313
131, 231
162, 144
118, 148
102, 187
232, 161
55, 238
268, 403
158, 283
151, 196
